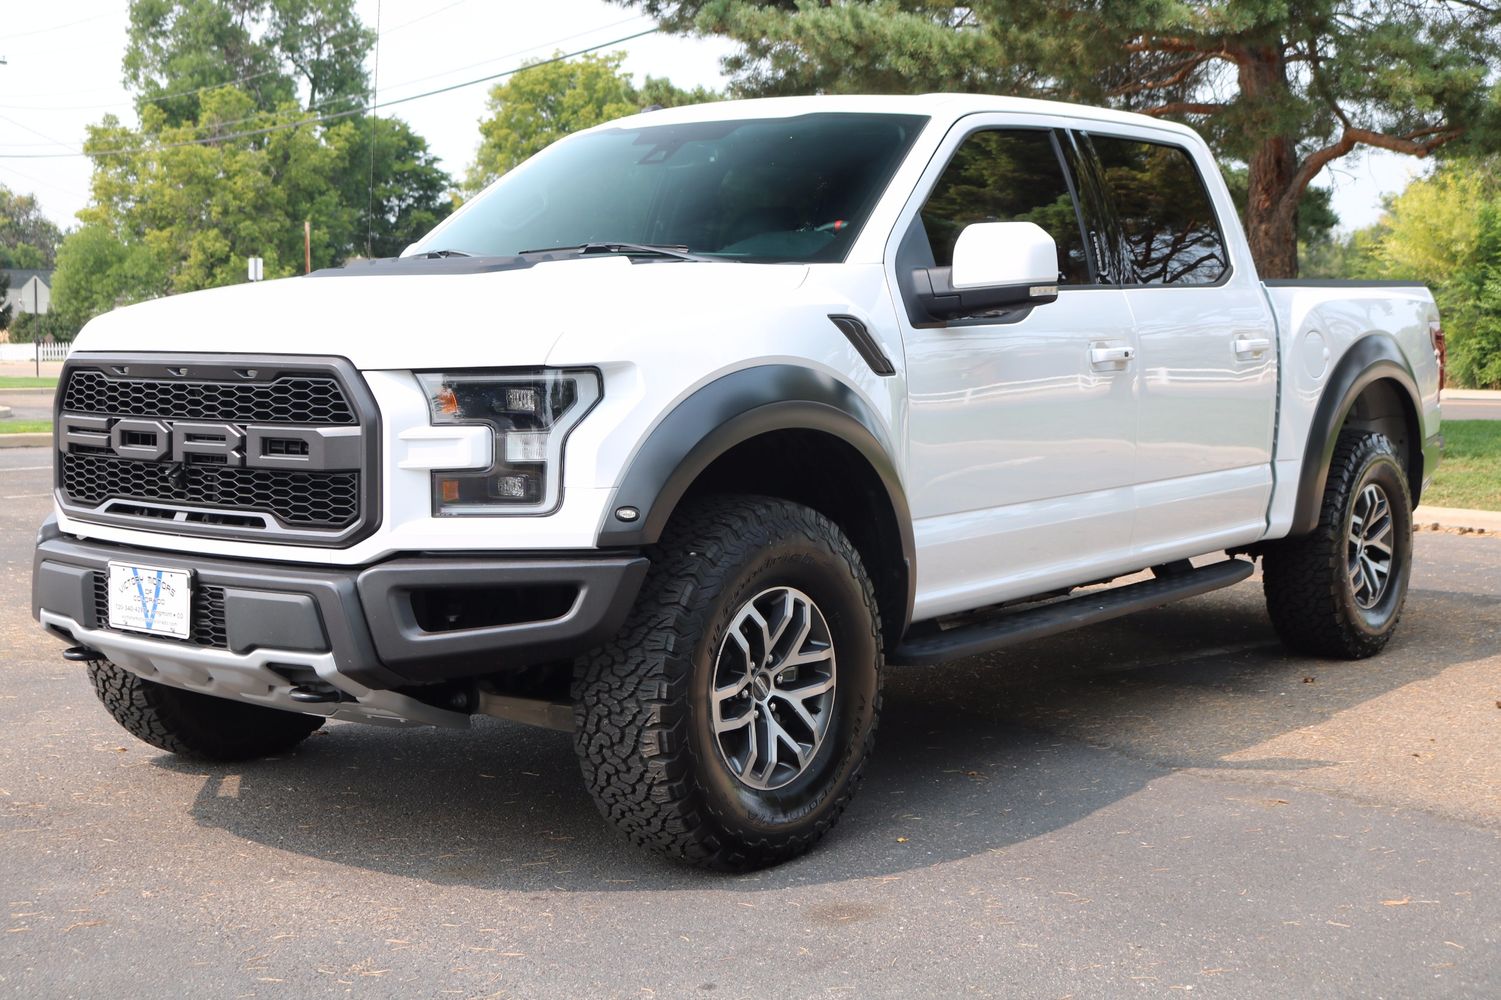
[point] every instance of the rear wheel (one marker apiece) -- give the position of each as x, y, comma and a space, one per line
1340, 591
196, 725
729, 723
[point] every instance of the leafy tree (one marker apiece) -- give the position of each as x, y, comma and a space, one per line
27, 237
325, 45
267, 48
410, 192
176, 47
4, 305
548, 100
1284, 86
98, 271
539, 105
203, 208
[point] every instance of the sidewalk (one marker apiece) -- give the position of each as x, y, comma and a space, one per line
1457, 519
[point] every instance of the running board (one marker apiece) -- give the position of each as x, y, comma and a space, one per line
1071, 613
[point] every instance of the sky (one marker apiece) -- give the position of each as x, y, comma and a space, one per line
62, 72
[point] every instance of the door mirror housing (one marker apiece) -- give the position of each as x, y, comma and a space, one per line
997, 265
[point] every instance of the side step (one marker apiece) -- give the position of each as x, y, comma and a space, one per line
1061, 616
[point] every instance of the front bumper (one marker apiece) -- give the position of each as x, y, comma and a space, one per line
367, 631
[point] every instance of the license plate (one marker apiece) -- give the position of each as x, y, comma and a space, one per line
148, 599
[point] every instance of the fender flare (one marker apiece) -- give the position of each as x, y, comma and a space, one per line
1370, 359
731, 410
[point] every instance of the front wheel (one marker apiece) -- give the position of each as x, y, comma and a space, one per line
196, 725
728, 724
1339, 591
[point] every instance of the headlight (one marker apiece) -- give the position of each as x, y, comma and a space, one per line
530, 414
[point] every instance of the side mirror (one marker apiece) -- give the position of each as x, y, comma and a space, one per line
997, 265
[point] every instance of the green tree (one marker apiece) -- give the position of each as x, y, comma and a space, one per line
1285, 87
325, 45
27, 237
4, 305
177, 47
546, 101
1445, 230
97, 271
203, 208
410, 194
267, 48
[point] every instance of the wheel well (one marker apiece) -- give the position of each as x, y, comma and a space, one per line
820, 471
1384, 407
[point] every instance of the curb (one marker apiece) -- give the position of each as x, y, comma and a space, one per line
50, 390
41, 439
1458, 520
1471, 394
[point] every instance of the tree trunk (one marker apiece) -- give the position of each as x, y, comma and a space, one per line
1271, 216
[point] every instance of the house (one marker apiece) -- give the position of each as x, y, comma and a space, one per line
29, 291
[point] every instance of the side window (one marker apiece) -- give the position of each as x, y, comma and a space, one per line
1164, 213
1006, 176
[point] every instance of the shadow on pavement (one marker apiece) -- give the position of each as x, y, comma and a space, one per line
971, 757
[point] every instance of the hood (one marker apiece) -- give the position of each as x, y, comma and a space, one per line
496, 318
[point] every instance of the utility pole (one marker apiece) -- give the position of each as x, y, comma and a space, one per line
307, 246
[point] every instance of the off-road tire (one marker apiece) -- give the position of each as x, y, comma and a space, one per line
196, 725
1307, 580
643, 729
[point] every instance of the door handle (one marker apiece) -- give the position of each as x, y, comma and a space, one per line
1110, 357
1251, 347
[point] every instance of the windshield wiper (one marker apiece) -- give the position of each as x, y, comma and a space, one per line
439, 254
642, 249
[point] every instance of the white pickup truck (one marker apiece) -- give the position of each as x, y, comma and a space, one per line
682, 430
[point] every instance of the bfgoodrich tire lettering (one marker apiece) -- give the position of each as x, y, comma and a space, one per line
644, 704
1339, 591
196, 725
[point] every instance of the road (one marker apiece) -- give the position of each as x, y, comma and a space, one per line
27, 404
1168, 805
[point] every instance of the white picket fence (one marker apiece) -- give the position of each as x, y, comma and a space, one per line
30, 352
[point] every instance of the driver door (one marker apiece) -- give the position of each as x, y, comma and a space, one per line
1022, 423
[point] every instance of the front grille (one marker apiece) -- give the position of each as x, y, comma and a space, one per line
292, 400
269, 453
206, 620
314, 499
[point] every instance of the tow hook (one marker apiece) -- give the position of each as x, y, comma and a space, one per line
310, 694
82, 654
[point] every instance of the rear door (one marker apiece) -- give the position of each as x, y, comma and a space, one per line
1207, 349
1021, 430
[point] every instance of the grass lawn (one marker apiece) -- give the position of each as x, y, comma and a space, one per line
28, 382
25, 426
1470, 473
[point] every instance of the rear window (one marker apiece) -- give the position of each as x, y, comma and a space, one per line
1166, 218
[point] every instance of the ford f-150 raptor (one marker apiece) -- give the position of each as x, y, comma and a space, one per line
682, 430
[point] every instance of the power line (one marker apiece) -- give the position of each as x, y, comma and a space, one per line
374, 97
335, 116
227, 83
340, 98
58, 27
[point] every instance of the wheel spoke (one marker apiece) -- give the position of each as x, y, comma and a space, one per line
800, 710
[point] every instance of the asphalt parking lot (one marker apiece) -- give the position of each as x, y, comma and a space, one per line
1168, 805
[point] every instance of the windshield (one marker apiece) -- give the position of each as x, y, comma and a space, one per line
783, 189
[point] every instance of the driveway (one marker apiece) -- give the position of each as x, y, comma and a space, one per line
1167, 805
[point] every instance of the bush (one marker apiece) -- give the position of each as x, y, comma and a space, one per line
28, 327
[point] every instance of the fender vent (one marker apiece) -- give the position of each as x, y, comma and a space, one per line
860, 339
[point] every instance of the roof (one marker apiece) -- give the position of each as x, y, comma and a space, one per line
20, 275
938, 106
